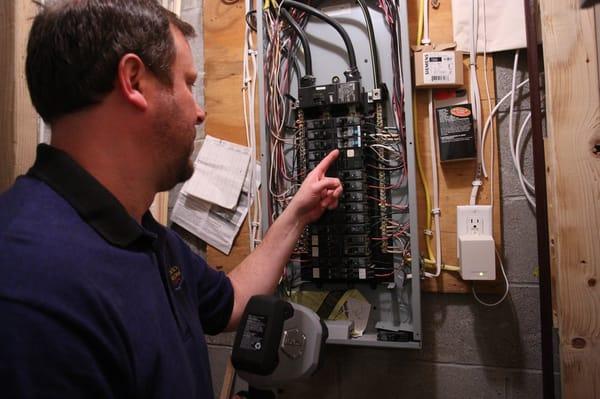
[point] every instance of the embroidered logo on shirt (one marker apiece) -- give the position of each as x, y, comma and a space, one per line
175, 276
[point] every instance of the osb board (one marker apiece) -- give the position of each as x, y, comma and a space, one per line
223, 47
223, 30
455, 177
573, 170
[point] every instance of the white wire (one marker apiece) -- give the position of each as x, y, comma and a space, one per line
519, 149
475, 97
435, 185
249, 78
498, 302
526, 186
489, 103
514, 151
513, 90
425, 39
488, 121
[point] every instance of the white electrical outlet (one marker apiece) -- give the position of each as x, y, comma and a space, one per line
474, 219
475, 242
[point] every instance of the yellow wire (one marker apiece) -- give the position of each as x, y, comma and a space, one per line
420, 25
423, 181
428, 262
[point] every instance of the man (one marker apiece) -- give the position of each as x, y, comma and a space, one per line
97, 300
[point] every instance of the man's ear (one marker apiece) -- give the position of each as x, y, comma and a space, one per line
132, 80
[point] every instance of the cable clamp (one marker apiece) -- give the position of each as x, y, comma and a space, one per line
428, 232
436, 211
477, 183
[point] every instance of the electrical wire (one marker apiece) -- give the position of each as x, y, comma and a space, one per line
425, 15
512, 106
336, 25
372, 44
435, 184
431, 260
507, 285
475, 99
435, 211
514, 150
488, 122
489, 104
303, 39
526, 186
387, 145
249, 76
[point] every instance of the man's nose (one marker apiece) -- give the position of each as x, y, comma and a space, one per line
200, 114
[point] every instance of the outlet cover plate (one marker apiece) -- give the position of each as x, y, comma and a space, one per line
473, 219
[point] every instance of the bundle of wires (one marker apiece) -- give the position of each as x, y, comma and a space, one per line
249, 76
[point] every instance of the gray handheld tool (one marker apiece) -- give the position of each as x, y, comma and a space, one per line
277, 342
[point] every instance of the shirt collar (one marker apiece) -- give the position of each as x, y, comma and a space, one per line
94, 203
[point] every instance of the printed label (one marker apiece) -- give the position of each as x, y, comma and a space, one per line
438, 67
254, 333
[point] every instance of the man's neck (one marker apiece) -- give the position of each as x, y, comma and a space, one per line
110, 157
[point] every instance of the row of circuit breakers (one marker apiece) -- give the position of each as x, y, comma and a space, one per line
340, 115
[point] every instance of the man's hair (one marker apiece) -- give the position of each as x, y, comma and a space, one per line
75, 46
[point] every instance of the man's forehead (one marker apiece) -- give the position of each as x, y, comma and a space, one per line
182, 48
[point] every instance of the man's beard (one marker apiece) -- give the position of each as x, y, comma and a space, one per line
175, 155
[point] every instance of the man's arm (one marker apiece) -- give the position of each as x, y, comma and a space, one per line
259, 273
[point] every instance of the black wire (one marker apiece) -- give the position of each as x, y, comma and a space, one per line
249, 16
303, 39
372, 43
317, 13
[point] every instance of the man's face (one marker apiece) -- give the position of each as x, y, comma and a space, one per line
176, 116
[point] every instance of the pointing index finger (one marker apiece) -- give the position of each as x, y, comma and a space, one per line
324, 165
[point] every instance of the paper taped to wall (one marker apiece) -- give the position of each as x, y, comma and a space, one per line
220, 171
215, 225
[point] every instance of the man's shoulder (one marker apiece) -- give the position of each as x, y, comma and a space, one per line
43, 241
31, 207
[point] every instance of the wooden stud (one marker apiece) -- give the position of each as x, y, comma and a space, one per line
573, 121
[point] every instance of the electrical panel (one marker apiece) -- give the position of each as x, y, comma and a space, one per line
316, 97
339, 116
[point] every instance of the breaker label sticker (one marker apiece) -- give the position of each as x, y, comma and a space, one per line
362, 274
438, 67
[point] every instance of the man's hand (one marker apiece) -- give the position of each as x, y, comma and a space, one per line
260, 272
318, 192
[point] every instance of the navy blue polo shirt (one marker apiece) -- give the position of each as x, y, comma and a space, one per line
94, 305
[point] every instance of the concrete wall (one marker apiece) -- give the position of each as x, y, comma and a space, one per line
469, 351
